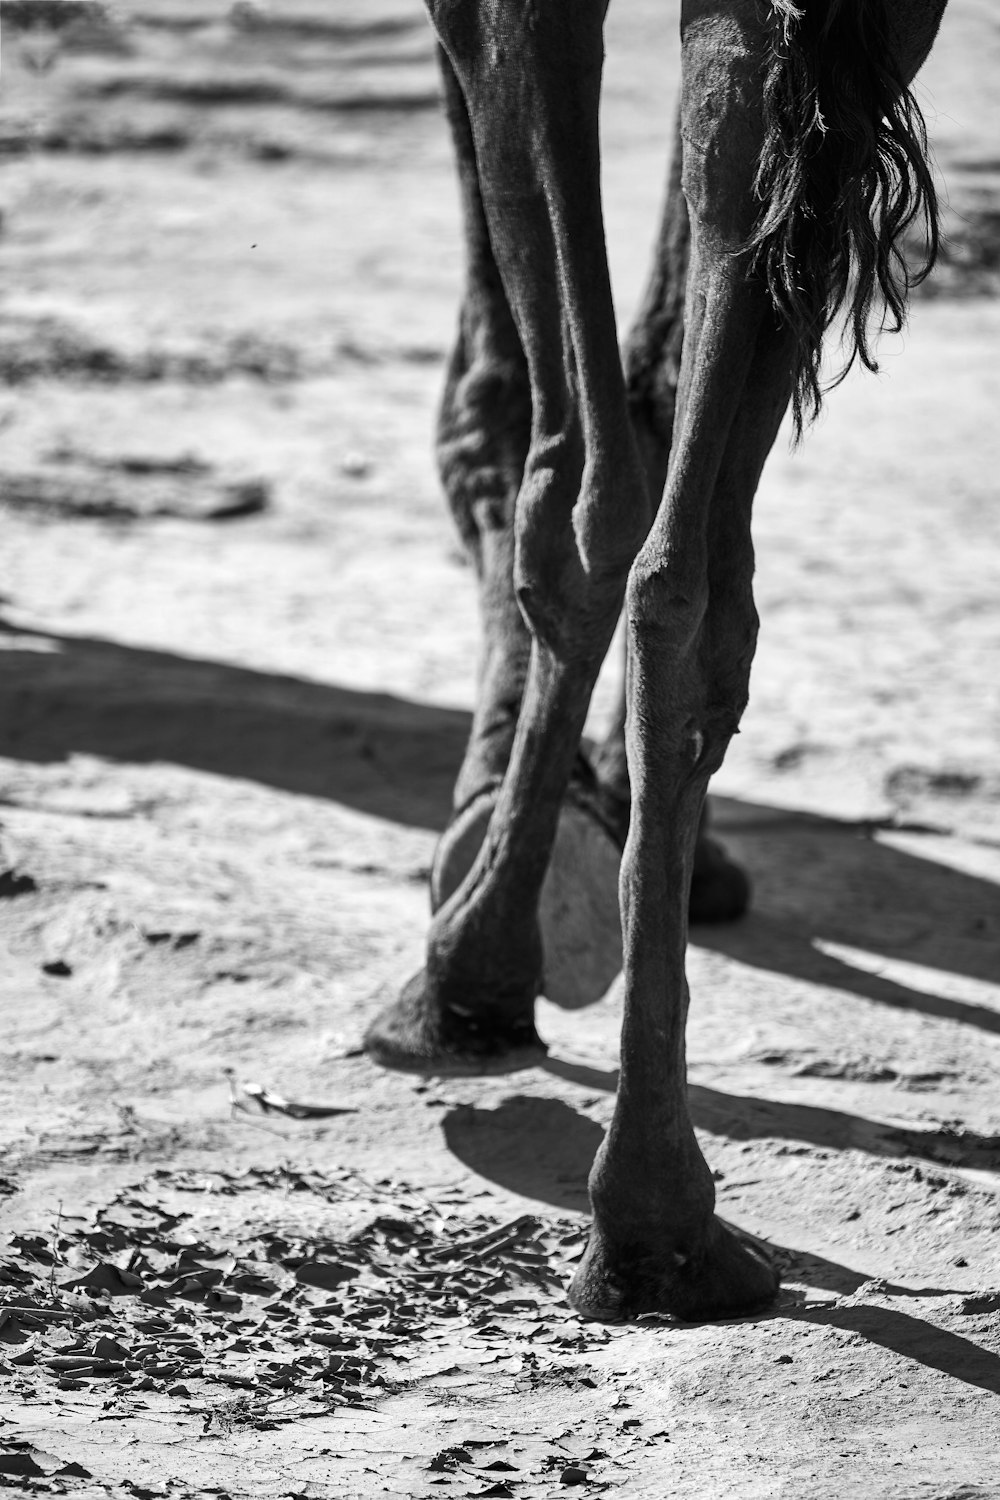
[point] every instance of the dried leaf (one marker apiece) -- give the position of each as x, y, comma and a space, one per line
253, 1283
109, 1348
105, 1277
268, 1100
326, 1274
22, 1462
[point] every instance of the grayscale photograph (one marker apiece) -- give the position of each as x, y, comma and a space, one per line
500, 749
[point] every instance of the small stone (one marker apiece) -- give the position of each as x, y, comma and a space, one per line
573, 1474
14, 883
248, 15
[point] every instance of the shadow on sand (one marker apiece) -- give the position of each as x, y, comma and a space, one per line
65, 695
492, 1142
816, 878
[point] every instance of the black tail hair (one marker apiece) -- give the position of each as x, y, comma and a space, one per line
843, 174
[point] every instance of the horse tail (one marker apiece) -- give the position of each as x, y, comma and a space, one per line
843, 174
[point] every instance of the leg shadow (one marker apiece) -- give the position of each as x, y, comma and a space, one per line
742, 1118
541, 1148
64, 695
915, 1339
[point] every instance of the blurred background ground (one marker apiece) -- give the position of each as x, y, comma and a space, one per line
237, 670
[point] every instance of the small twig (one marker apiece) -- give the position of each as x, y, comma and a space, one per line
39, 1315
492, 1242
235, 1102
55, 1249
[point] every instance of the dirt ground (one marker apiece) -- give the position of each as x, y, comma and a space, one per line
238, 643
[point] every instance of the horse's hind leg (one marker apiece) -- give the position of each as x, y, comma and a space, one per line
484, 428
581, 513
720, 890
483, 436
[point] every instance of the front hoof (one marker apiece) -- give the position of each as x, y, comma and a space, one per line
418, 1033
720, 888
725, 1276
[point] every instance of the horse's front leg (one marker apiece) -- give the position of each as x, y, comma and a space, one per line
655, 1244
720, 889
530, 79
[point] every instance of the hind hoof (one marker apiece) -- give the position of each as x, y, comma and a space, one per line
419, 1033
724, 1276
578, 908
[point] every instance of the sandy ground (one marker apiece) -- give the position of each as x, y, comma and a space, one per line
236, 679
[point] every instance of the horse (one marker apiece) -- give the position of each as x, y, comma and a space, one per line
583, 483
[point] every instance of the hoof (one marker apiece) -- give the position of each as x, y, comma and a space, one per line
720, 888
420, 1034
578, 908
725, 1276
